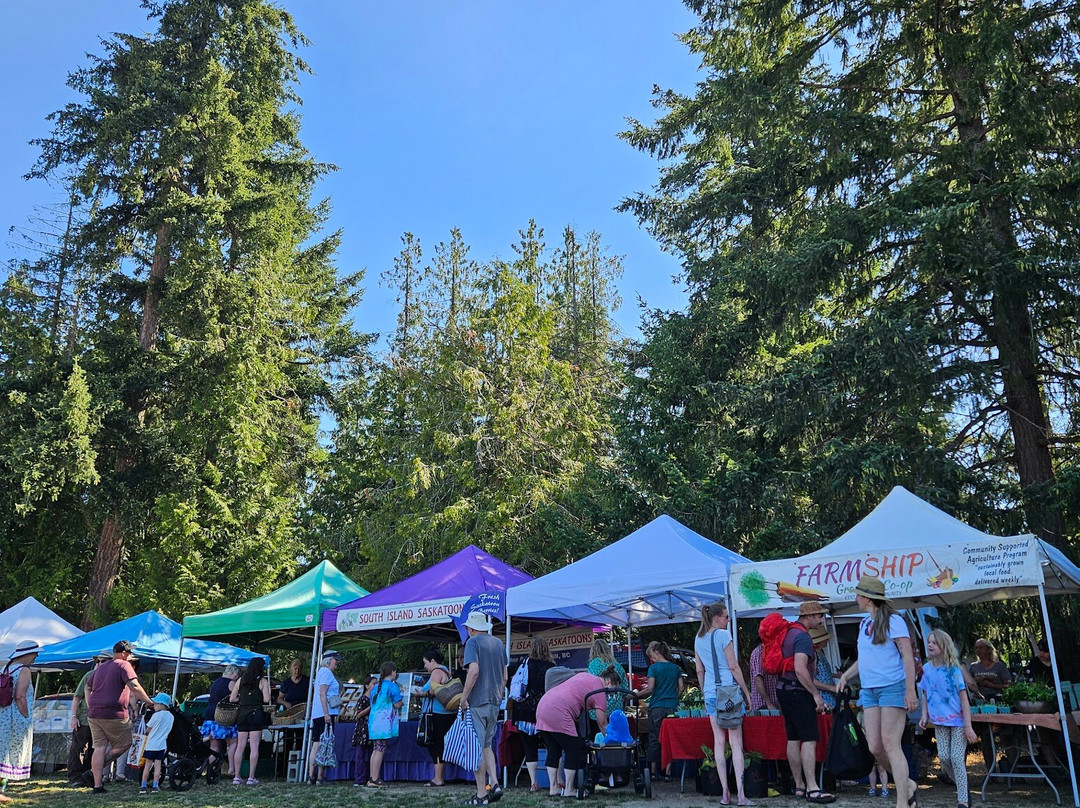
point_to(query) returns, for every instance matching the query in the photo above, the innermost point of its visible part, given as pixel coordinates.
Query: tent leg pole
(305, 744)
(734, 628)
(1057, 687)
(506, 712)
(176, 671)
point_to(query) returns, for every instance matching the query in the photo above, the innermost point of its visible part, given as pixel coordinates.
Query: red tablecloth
(682, 738)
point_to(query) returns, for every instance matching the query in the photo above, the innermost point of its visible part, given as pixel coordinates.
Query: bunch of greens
(1026, 691)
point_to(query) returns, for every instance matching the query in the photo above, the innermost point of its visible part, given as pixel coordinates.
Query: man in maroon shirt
(107, 696)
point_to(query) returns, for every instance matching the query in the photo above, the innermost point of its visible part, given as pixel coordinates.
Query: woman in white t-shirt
(324, 710)
(717, 667)
(886, 671)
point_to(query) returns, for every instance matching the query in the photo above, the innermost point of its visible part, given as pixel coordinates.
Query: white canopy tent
(663, 572)
(925, 558)
(30, 620)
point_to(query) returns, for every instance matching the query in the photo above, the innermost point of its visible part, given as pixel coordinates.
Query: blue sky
(477, 114)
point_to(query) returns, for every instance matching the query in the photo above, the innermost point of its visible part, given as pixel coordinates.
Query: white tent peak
(29, 619)
(903, 520)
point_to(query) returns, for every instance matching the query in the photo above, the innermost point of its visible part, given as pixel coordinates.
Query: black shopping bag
(848, 756)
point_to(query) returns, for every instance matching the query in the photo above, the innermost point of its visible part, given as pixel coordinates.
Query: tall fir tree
(219, 319)
(872, 204)
(476, 426)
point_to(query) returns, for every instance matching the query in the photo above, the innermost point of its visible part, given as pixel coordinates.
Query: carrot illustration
(797, 594)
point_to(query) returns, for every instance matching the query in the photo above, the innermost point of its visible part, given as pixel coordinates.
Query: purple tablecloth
(404, 760)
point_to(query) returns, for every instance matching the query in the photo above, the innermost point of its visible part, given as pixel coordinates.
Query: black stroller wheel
(648, 783)
(580, 784)
(182, 775)
(213, 772)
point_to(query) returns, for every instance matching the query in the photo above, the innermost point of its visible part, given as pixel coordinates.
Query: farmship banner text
(907, 573)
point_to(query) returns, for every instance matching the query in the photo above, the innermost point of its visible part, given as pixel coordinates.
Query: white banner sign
(427, 612)
(911, 573)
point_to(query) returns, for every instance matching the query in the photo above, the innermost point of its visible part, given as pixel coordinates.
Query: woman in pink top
(556, 719)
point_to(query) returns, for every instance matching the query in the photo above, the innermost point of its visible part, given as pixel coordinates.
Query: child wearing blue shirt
(945, 703)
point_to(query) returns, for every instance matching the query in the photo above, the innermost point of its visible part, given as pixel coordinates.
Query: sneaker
(251, 781)
(156, 789)
(885, 791)
(142, 788)
(872, 792)
(237, 781)
(100, 790)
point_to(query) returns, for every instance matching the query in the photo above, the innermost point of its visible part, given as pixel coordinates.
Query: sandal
(535, 787)
(433, 784)
(799, 793)
(819, 797)
(494, 793)
(476, 799)
(913, 796)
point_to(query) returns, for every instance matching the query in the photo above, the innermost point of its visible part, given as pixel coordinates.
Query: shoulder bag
(225, 713)
(449, 693)
(730, 705)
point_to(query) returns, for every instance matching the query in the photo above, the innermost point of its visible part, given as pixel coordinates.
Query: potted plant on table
(1029, 697)
(692, 704)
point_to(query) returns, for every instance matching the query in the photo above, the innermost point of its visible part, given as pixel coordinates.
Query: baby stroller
(189, 755)
(611, 766)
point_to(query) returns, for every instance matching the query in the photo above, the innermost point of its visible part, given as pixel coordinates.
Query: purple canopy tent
(423, 606)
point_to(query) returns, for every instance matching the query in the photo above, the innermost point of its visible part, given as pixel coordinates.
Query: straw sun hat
(871, 587)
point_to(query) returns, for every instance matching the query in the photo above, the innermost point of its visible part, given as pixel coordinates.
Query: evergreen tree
(873, 203)
(218, 318)
(475, 427)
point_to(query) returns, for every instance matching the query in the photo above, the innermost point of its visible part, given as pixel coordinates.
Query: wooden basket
(294, 715)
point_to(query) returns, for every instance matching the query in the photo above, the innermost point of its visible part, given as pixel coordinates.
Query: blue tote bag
(462, 746)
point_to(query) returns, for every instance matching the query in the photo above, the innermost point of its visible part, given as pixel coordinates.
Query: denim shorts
(887, 696)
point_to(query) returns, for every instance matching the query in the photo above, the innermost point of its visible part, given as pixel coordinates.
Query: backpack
(7, 687)
(519, 685)
(773, 630)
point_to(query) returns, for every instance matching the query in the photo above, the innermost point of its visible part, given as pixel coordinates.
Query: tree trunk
(110, 545)
(1010, 330)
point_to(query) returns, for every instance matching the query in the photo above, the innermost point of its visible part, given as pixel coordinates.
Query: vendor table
(404, 760)
(682, 738)
(1029, 722)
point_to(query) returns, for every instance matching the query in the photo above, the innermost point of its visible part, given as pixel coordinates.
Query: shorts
(114, 732)
(887, 696)
(559, 743)
(317, 727)
(800, 715)
(441, 724)
(212, 729)
(251, 720)
(380, 744)
(154, 754)
(485, 719)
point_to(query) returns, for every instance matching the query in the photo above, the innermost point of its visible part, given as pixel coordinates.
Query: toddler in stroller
(189, 755)
(612, 758)
(562, 716)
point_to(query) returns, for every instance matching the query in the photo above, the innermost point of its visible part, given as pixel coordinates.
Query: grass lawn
(54, 791)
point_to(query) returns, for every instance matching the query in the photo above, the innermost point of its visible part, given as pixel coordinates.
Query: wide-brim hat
(163, 698)
(811, 607)
(24, 648)
(478, 621)
(820, 634)
(871, 587)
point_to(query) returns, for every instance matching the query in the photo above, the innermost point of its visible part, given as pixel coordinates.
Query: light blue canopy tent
(663, 572)
(157, 642)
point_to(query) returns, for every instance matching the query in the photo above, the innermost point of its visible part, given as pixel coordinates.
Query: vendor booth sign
(493, 604)
(907, 573)
(570, 649)
(404, 614)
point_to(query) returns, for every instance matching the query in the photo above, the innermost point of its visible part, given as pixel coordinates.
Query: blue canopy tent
(157, 643)
(663, 572)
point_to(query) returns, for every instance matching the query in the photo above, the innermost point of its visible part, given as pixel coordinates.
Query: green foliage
(486, 418)
(1026, 691)
(212, 328)
(868, 203)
